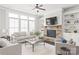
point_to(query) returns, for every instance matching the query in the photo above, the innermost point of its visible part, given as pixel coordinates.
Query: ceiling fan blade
(40, 5)
(42, 9)
(37, 4)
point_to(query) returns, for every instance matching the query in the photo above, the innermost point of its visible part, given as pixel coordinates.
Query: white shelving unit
(71, 23)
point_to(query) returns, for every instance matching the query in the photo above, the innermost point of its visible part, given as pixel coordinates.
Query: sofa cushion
(21, 37)
(18, 34)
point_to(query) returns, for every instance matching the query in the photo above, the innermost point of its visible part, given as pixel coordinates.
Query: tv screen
(51, 21)
(51, 33)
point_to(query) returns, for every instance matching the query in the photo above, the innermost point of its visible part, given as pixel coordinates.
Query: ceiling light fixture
(38, 8)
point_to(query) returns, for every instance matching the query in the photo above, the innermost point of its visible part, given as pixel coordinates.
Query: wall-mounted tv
(51, 33)
(51, 21)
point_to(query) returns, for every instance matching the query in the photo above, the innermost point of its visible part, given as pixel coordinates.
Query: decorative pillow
(2, 44)
(63, 40)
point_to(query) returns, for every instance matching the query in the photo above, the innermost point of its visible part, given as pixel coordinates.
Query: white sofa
(19, 36)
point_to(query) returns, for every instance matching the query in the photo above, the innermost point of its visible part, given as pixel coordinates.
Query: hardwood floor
(39, 49)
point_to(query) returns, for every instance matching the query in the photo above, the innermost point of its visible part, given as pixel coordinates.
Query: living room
(39, 29)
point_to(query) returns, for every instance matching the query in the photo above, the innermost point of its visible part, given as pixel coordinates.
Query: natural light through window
(13, 23)
(31, 24)
(21, 23)
(24, 23)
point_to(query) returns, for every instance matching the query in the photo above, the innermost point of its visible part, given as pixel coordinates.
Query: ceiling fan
(38, 7)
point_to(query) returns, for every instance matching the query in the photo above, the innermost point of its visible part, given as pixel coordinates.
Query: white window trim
(20, 21)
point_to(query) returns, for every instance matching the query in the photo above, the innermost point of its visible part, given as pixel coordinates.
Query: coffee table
(33, 41)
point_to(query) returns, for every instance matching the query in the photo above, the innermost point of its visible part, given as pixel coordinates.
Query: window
(31, 24)
(18, 22)
(31, 18)
(24, 23)
(23, 17)
(12, 15)
(13, 23)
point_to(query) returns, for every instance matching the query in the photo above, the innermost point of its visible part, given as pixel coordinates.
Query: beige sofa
(19, 37)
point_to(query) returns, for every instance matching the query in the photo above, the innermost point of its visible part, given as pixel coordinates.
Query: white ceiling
(28, 7)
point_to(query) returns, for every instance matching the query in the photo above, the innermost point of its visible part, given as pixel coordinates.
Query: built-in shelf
(71, 23)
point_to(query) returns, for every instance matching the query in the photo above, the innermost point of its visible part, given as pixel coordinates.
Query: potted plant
(37, 34)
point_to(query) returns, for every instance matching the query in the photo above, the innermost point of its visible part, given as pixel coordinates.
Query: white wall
(37, 24)
(3, 24)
